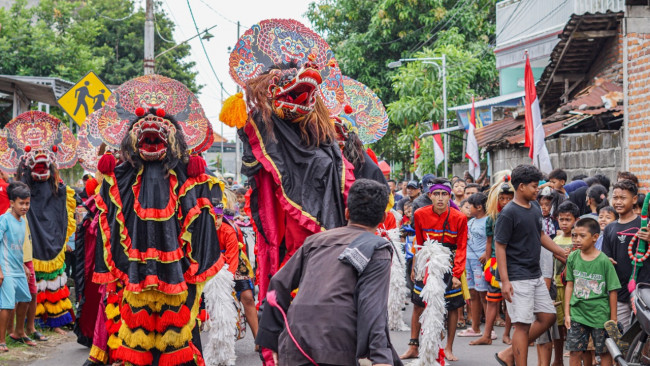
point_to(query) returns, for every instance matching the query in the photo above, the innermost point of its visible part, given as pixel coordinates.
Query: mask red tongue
(301, 98)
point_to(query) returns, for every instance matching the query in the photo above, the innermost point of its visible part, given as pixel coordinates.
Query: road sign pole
(149, 63)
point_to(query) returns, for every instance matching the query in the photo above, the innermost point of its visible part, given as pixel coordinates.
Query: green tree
(67, 39)
(368, 34)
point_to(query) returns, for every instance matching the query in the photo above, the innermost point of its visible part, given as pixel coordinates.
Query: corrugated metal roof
(497, 131)
(551, 129)
(490, 101)
(575, 55)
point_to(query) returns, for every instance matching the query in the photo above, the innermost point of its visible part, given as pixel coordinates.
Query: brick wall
(609, 64)
(580, 153)
(638, 92)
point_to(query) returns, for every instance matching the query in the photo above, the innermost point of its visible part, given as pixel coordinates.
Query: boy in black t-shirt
(617, 237)
(519, 237)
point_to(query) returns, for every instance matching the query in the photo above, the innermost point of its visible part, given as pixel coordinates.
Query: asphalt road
(73, 354)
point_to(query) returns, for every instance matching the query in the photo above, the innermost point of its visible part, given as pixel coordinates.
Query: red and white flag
(535, 134)
(438, 147)
(471, 153)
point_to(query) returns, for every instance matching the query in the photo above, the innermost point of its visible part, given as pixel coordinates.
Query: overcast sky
(225, 15)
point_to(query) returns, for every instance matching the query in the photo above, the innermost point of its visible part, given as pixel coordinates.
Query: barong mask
(154, 118)
(37, 144)
(293, 91)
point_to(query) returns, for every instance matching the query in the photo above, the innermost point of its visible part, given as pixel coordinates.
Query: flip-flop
(3, 348)
(24, 340)
(469, 332)
(39, 336)
(500, 361)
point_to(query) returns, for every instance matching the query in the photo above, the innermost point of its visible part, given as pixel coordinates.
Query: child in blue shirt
(14, 291)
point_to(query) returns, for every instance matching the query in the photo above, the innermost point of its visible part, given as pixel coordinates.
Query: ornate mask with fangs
(293, 92)
(151, 135)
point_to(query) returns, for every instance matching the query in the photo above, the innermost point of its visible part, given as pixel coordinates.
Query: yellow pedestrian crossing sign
(85, 97)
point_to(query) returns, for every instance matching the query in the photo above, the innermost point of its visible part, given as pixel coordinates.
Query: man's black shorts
(453, 298)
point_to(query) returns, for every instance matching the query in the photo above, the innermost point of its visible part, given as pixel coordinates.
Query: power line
(221, 15)
(155, 23)
(203, 47)
(435, 30)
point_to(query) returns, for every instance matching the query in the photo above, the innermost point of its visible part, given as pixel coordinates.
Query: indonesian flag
(438, 149)
(534, 130)
(472, 153)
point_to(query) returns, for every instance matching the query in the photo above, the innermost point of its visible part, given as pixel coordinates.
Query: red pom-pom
(160, 112)
(54, 148)
(139, 111)
(196, 166)
(106, 164)
(28, 148)
(348, 109)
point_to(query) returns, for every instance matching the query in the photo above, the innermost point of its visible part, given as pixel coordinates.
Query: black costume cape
(296, 190)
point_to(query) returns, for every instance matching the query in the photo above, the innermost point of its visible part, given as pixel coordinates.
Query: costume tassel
(233, 112)
(432, 261)
(106, 164)
(397, 290)
(196, 166)
(221, 325)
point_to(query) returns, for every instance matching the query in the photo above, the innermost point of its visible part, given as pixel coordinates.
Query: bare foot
(449, 355)
(481, 341)
(412, 352)
(59, 331)
(507, 340)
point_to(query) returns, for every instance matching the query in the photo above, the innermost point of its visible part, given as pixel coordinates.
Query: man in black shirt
(519, 237)
(412, 192)
(616, 238)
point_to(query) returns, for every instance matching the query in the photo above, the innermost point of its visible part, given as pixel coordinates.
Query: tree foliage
(69, 38)
(368, 34)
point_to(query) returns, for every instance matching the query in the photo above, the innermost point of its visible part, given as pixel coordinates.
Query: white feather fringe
(434, 259)
(397, 291)
(52, 285)
(219, 350)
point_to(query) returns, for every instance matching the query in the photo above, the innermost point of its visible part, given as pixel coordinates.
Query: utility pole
(237, 158)
(444, 111)
(149, 61)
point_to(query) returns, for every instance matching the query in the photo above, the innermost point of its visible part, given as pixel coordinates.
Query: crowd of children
(546, 255)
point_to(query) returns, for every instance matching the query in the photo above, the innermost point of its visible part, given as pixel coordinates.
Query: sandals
(461, 325)
(469, 332)
(39, 336)
(24, 340)
(500, 323)
(3, 348)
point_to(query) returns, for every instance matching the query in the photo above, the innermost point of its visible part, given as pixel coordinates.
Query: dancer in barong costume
(37, 145)
(157, 234)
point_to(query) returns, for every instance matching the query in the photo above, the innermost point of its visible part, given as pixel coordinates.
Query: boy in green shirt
(591, 285)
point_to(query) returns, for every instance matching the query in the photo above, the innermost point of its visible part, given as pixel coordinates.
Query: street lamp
(205, 35)
(442, 71)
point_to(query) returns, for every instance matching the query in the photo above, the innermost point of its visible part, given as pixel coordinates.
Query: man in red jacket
(444, 223)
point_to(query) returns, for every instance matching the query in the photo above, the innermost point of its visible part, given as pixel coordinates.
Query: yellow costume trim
(139, 338)
(98, 354)
(244, 258)
(114, 342)
(56, 263)
(173, 338)
(391, 203)
(51, 265)
(71, 206)
(40, 309)
(153, 299)
(112, 311)
(58, 308)
(306, 214)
